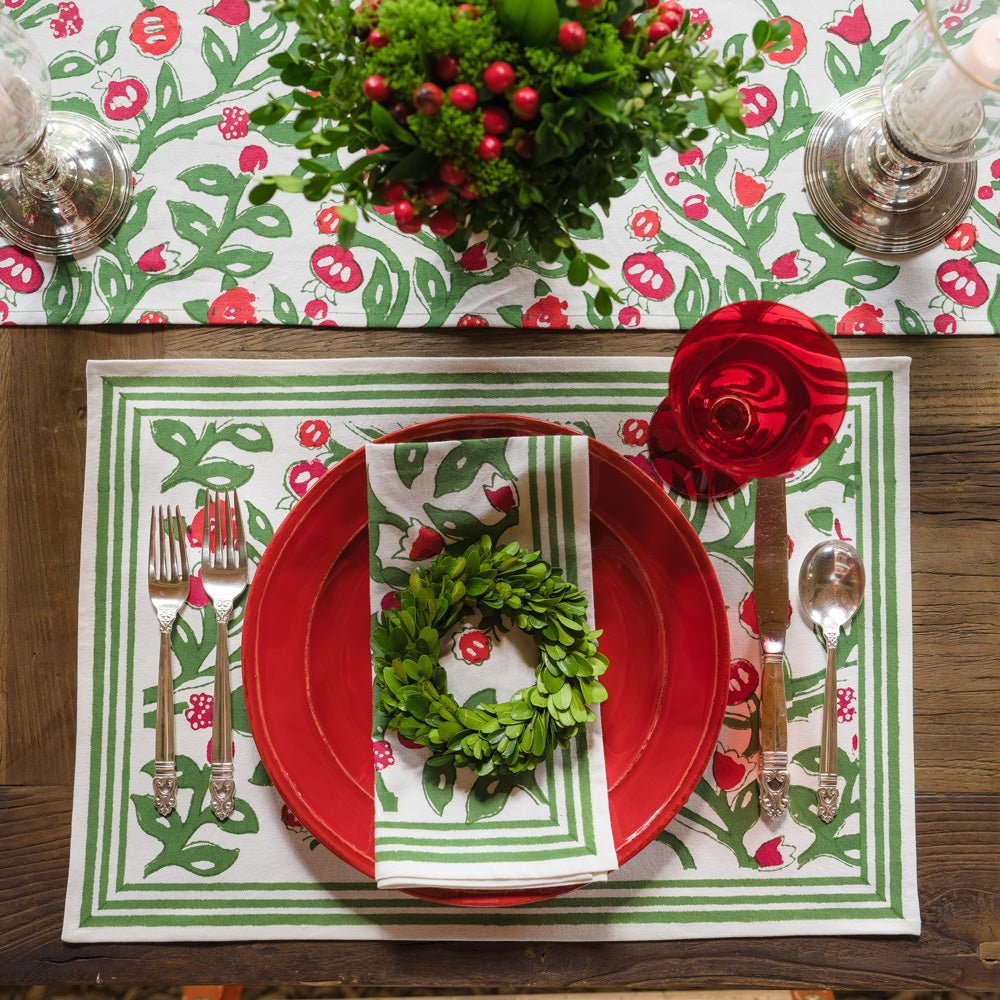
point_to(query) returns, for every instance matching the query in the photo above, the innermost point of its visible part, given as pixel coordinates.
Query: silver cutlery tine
(174, 578)
(163, 550)
(206, 530)
(182, 543)
(241, 538)
(230, 554)
(152, 543)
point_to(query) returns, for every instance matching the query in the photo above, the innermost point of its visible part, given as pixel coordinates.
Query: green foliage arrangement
(513, 118)
(505, 738)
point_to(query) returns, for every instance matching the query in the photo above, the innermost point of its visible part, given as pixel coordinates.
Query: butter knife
(770, 591)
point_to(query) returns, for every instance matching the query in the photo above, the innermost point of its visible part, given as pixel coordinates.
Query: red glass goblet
(756, 389)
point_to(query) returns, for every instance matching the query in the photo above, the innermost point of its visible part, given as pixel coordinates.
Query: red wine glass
(756, 389)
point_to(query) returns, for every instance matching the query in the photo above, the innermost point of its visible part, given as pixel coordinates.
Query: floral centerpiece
(513, 118)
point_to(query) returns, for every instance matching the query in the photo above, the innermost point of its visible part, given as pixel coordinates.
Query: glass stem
(40, 169)
(887, 174)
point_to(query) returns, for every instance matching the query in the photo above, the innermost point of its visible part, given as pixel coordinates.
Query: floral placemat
(728, 220)
(160, 432)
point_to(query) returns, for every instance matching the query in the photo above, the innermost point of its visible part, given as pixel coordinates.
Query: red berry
(496, 121)
(451, 173)
(525, 147)
(627, 26)
(378, 38)
(375, 88)
(498, 76)
(589, 4)
(525, 103)
(428, 97)
(393, 192)
(658, 30)
(463, 96)
(469, 191)
(490, 147)
(446, 69)
(572, 37)
(434, 193)
(403, 212)
(413, 226)
(400, 111)
(669, 10)
(443, 223)
(651, 4)
(467, 10)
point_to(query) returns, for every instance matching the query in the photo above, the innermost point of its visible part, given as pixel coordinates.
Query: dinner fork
(224, 576)
(168, 590)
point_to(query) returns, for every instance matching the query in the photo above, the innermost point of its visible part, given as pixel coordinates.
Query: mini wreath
(512, 736)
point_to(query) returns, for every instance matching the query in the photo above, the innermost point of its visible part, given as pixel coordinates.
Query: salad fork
(168, 590)
(224, 576)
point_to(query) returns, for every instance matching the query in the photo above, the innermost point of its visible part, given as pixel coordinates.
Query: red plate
(306, 659)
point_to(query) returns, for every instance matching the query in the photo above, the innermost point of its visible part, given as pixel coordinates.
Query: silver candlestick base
(869, 192)
(71, 193)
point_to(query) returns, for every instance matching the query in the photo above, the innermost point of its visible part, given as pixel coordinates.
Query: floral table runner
(727, 220)
(160, 432)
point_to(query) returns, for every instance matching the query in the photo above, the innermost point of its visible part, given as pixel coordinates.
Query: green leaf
(409, 460)
(535, 22)
(579, 270)
(388, 129)
(439, 786)
(761, 33)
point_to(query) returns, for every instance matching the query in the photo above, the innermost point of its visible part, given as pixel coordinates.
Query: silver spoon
(831, 587)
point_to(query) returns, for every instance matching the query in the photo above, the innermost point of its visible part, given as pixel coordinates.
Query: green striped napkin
(541, 828)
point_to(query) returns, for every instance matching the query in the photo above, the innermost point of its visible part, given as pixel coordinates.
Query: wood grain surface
(955, 455)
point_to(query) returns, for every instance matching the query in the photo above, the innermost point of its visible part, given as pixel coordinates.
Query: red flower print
(774, 853)
(13, 4)
(671, 178)
(231, 12)
(302, 476)
(785, 266)
(864, 318)
(729, 770)
(19, 270)
(336, 267)
(234, 306)
(691, 157)
(854, 742)
(318, 310)
(290, 820)
(759, 105)
(984, 193)
(208, 749)
(152, 260)
(409, 744)
(197, 595)
(328, 220)
(629, 317)
(845, 704)
(252, 159)
(957, 278)
(648, 275)
(694, 207)
(699, 16)
(945, 323)
(473, 646)
(853, 27)
(546, 313)
(382, 754)
(156, 32)
(643, 463)
(313, 433)
(4, 312)
(743, 679)
(199, 715)
(793, 50)
(474, 259)
(839, 531)
(235, 124)
(390, 601)
(124, 99)
(469, 320)
(645, 224)
(502, 498)
(426, 545)
(69, 22)
(152, 317)
(634, 431)
(748, 615)
(962, 237)
(748, 189)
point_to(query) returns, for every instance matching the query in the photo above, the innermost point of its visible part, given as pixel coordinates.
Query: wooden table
(955, 448)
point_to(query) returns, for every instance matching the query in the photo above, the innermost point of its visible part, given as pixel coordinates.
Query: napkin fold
(548, 827)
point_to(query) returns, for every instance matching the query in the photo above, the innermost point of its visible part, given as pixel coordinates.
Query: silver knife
(770, 591)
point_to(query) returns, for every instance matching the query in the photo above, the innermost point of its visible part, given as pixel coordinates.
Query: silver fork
(168, 590)
(224, 575)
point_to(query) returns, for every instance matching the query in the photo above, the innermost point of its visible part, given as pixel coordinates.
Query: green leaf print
(106, 45)
(821, 518)
(70, 64)
(386, 799)
(176, 832)
(191, 223)
(195, 461)
(207, 178)
(463, 526)
(409, 460)
(490, 794)
(258, 525)
(284, 307)
(439, 786)
(830, 839)
(260, 776)
(461, 466)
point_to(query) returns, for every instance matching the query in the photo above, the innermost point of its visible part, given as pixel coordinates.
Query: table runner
(726, 221)
(159, 431)
(430, 822)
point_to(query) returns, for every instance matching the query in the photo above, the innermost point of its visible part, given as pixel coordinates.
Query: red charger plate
(307, 664)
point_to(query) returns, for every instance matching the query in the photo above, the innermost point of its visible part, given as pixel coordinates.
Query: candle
(945, 112)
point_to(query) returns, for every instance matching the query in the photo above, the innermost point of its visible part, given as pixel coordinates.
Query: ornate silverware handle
(773, 779)
(222, 786)
(827, 793)
(165, 774)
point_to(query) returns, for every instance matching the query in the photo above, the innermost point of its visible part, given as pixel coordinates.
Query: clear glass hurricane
(65, 183)
(891, 168)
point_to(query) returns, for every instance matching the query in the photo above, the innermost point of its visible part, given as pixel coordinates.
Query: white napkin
(549, 827)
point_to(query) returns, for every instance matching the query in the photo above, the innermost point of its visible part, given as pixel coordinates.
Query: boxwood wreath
(509, 118)
(491, 739)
